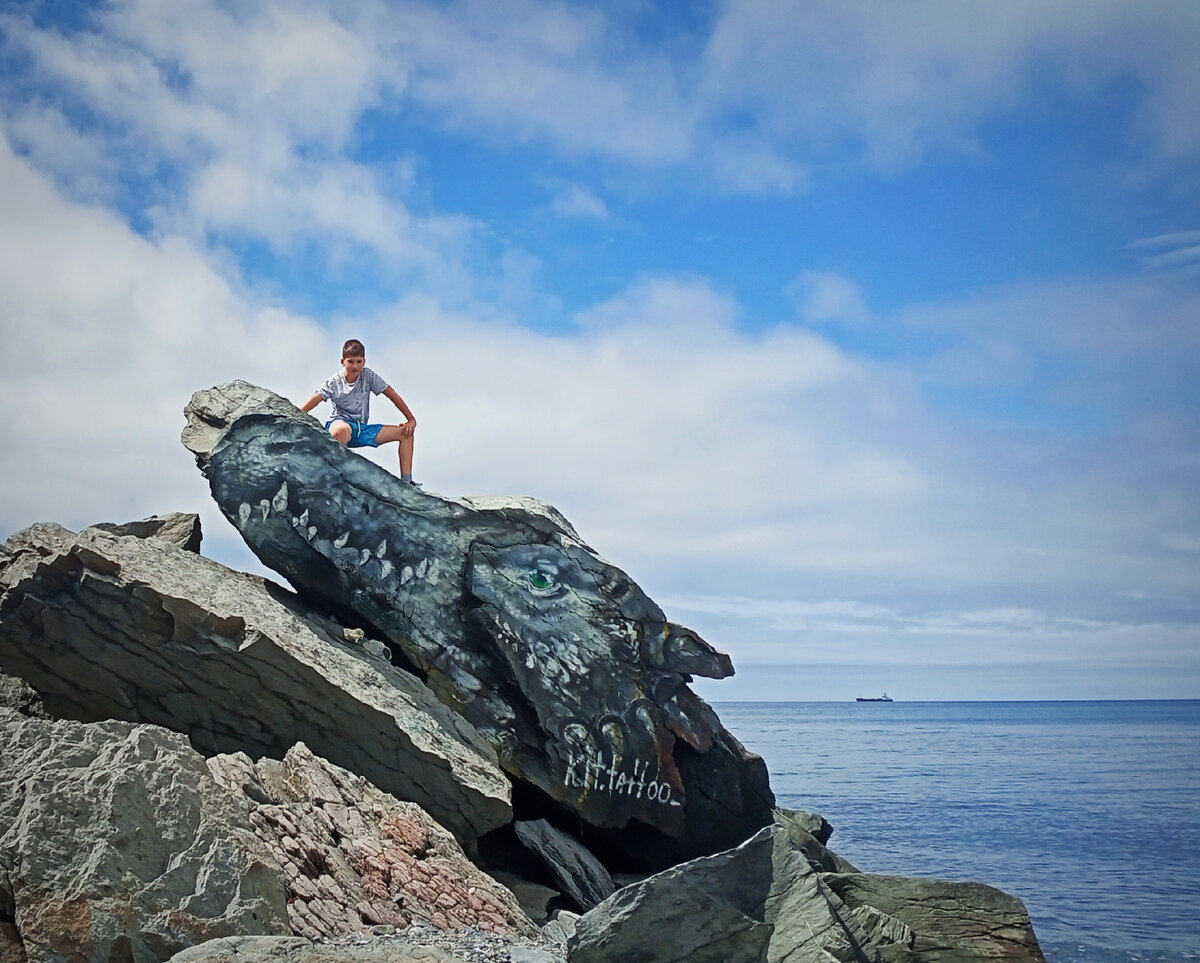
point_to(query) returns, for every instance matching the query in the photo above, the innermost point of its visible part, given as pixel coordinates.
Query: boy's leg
(397, 433)
(341, 432)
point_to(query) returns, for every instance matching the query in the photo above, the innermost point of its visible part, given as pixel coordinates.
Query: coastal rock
(943, 922)
(178, 528)
(799, 826)
(354, 857)
(759, 902)
(20, 696)
(109, 626)
(555, 655)
(579, 873)
(117, 844)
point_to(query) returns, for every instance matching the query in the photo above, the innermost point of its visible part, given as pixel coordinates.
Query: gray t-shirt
(352, 402)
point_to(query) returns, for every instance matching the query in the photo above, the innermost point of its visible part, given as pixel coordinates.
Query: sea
(1088, 811)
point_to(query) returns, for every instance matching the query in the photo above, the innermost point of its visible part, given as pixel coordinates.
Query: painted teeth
(244, 512)
(265, 507)
(341, 540)
(304, 518)
(406, 575)
(363, 556)
(382, 548)
(279, 502)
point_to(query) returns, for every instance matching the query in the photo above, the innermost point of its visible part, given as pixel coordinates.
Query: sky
(865, 337)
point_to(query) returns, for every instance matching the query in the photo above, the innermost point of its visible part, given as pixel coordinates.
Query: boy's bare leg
(341, 432)
(404, 437)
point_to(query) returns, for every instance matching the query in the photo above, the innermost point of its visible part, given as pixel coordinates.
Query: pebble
(469, 945)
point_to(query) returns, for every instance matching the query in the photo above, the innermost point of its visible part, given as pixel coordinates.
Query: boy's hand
(408, 427)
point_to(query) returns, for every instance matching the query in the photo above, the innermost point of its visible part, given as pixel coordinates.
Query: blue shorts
(361, 436)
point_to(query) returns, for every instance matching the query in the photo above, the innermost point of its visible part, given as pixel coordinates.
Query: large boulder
(178, 528)
(580, 874)
(940, 921)
(117, 844)
(110, 626)
(569, 669)
(770, 900)
(759, 902)
(355, 857)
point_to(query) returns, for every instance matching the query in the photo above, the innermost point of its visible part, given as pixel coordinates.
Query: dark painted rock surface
(567, 667)
(579, 873)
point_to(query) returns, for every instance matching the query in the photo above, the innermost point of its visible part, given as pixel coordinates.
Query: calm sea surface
(1088, 811)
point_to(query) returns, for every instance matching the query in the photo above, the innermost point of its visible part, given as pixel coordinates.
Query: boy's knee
(340, 431)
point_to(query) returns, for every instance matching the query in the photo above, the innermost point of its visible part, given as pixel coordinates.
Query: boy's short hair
(353, 349)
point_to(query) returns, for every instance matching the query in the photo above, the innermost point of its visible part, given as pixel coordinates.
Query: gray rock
(178, 528)
(354, 857)
(118, 844)
(554, 654)
(560, 927)
(20, 696)
(108, 626)
(759, 902)
(280, 949)
(533, 897)
(579, 873)
(798, 826)
(815, 825)
(942, 921)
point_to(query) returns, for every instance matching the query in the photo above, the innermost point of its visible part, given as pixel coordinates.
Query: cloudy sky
(865, 336)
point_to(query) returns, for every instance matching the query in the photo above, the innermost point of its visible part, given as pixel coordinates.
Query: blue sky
(864, 336)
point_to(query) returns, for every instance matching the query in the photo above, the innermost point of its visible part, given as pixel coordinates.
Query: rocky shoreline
(460, 735)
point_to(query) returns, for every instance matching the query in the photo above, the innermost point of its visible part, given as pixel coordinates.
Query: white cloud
(252, 110)
(888, 82)
(825, 296)
(575, 200)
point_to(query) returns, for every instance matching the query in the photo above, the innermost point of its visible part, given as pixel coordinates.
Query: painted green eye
(540, 581)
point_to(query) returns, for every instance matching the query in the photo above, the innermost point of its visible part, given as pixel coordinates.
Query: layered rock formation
(772, 899)
(107, 626)
(552, 653)
(353, 856)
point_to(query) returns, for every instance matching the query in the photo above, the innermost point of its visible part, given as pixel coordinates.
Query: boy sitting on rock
(349, 391)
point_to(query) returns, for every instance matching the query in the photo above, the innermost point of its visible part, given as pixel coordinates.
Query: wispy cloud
(1179, 250)
(577, 201)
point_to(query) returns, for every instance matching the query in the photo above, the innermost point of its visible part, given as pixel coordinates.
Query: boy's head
(354, 356)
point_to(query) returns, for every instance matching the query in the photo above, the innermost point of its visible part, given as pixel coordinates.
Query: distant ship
(883, 698)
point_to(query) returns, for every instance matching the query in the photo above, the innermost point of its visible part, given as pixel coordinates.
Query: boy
(350, 392)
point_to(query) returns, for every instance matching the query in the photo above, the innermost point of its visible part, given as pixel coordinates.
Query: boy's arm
(393, 396)
(311, 403)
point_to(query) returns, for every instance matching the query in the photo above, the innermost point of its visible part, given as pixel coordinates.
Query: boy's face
(352, 366)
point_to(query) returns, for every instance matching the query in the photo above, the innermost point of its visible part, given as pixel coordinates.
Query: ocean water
(1088, 811)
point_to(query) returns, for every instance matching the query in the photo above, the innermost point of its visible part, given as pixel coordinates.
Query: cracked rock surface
(940, 921)
(771, 900)
(115, 626)
(355, 857)
(116, 843)
(571, 672)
